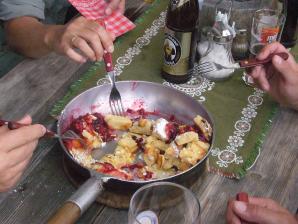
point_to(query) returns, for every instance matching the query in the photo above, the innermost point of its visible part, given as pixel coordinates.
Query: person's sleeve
(10, 9)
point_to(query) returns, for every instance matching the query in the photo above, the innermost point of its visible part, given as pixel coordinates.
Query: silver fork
(115, 101)
(70, 134)
(207, 67)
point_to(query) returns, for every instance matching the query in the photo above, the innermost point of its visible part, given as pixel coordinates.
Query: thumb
(258, 214)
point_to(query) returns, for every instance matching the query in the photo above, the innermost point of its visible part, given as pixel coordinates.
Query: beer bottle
(180, 40)
(289, 34)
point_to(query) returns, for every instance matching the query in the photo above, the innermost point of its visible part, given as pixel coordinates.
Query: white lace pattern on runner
(228, 154)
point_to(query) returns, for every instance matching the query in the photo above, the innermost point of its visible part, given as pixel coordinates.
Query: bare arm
(30, 37)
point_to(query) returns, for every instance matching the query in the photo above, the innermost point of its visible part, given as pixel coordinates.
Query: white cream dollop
(159, 129)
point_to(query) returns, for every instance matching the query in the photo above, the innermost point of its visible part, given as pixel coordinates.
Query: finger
(21, 136)
(9, 184)
(112, 6)
(121, 6)
(106, 38)
(257, 71)
(14, 171)
(107, 41)
(266, 203)
(19, 168)
(112, 35)
(20, 154)
(284, 67)
(231, 218)
(75, 56)
(259, 76)
(81, 44)
(91, 35)
(270, 49)
(258, 214)
(25, 120)
(3, 129)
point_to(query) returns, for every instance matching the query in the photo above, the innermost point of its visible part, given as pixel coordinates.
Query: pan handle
(78, 203)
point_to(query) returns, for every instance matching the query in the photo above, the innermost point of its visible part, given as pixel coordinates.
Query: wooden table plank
(272, 176)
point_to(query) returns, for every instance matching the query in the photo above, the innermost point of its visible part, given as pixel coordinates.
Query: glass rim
(279, 15)
(163, 183)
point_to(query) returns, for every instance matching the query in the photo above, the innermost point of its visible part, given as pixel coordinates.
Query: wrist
(50, 36)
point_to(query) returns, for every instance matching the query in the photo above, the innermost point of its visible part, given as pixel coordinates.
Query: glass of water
(164, 202)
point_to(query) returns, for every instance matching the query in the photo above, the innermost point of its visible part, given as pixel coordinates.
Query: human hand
(115, 5)
(279, 78)
(16, 149)
(258, 211)
(86, 35)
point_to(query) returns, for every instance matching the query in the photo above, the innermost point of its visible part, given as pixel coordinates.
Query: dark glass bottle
(180, 40)
(289, 34)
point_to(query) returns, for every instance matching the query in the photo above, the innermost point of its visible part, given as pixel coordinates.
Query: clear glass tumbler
(267, 26)
(164, 202)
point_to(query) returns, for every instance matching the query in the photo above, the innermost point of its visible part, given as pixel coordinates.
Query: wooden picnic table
(33, 87)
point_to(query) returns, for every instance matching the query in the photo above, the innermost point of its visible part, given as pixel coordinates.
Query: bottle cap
(147, 217)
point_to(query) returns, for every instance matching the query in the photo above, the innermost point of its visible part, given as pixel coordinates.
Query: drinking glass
(267, 25)
(164, 202)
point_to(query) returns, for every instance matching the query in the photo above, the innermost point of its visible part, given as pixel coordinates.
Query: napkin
(95, 10)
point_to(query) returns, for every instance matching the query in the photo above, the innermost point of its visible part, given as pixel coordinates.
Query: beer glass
(266, 28)
(164, 202)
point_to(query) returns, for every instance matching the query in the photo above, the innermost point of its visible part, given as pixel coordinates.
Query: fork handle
(253, 62)
(12, 125)
(107, 57)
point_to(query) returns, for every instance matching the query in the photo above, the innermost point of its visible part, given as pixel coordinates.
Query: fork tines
(115, 101)
(205, 67)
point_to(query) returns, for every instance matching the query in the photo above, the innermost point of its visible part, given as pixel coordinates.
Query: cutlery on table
(115, 97)
(12, 125)
(208, 66)
(116, 108)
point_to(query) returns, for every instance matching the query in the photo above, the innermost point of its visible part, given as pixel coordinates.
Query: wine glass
(164, 202)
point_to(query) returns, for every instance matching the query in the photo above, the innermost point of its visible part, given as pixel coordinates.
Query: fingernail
(240, 206)
(100, 59)
(108, 11)
(43, 129)
(111, 49)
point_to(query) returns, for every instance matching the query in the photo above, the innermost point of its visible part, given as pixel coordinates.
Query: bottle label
(269, 35)
(176, 52)
(174, 2)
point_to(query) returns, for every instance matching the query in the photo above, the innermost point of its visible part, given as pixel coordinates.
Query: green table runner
(241, 113)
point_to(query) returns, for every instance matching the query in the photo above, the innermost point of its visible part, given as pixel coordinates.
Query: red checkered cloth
(95, 10)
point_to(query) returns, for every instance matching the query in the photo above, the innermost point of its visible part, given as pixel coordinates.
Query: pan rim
(101, 175)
